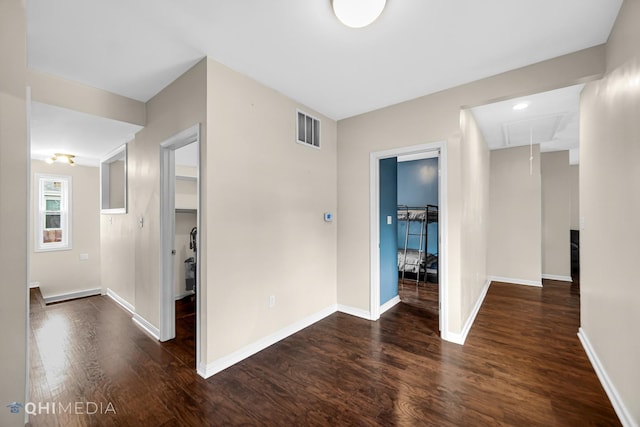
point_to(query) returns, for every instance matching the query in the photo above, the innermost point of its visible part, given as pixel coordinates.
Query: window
(308, 130)
(53, 220)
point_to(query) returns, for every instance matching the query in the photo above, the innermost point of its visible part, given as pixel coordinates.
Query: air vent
(308, 130)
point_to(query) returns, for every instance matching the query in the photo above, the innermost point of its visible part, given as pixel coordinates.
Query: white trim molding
(558, 278)
(354, 311)
(229, 360)
(167, 323)
(389, 304)
(146, 326)
(616, 401)
(33, 285)
(121, 301)
(535, 283)
(434, 148)
(460, 338)
(72, 295)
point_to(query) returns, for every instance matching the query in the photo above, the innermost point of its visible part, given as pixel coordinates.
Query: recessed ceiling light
(358, 13)
(521, 106)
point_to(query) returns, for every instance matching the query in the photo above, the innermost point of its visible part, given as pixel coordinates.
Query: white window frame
(40, 210)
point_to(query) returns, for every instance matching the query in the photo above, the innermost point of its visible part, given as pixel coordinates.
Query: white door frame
(167, 234)
(374, 251)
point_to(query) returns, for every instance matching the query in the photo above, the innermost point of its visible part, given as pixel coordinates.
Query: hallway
(522, 364)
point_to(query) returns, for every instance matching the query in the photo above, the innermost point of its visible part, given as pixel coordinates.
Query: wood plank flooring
(522, 365)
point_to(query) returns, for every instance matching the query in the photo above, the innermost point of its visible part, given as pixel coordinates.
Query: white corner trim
(353, 311)
(34, 285)
(556, 277)
(460, 338)
(148, 327)
(536, 283)
(618, 405)
(121, 301)
(231, 359)
(72, 295)
(389, 304)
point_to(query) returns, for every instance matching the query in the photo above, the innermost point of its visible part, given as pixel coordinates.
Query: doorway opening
(417, 230)
(179, 241)
(389, 247)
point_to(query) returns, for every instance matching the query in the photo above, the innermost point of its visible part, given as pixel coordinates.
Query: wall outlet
(84, 257)
(272, 301)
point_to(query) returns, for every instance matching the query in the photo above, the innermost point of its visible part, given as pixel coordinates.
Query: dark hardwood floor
(522, 365)
(423, 295)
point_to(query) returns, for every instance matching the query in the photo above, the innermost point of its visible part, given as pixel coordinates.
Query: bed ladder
(423, 238)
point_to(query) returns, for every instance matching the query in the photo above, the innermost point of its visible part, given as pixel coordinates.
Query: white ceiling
(551, 120)
(136, 48)
(88, 137)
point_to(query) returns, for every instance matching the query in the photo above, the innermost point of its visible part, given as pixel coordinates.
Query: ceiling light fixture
(521, 106)
(62, 158)
(357, 13)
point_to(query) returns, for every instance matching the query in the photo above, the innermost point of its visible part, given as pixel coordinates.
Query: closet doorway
(179, 224)
(386, 289)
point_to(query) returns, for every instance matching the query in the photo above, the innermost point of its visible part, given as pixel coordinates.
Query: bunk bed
(413, 258)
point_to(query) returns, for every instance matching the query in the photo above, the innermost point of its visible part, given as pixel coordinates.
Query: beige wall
(177, 107)
(117, 254)
(117, 184)
(428, 119)
(62, 272)
(556, 214)
(610, 206)
(475, 214)
(186, 196)
(14, 191)
(75, 96)
(265, 230)
(574, 183)
(515, 230)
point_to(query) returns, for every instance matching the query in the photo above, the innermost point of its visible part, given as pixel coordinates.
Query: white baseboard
(460, 338)
(618, 405)
(183, 295)
(353, 311)
(72, 295)
(536, 283)
(556, 277)
(121, 301)
(209, 369)
(34, 285)
(389, 304)
(148, 327)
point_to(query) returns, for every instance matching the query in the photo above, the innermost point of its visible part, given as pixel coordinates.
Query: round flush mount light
(358, 13)
(521, 106)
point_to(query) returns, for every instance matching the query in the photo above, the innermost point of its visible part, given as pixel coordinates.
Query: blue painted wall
(418, 186)
(388, 232)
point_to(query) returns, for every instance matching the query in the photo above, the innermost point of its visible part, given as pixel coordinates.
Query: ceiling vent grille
(308, 129)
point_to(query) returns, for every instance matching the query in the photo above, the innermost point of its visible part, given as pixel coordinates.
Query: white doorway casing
(167, 234)
(374, 221)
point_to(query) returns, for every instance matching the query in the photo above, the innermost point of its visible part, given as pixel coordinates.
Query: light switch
(389, 219)
(84, 257)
